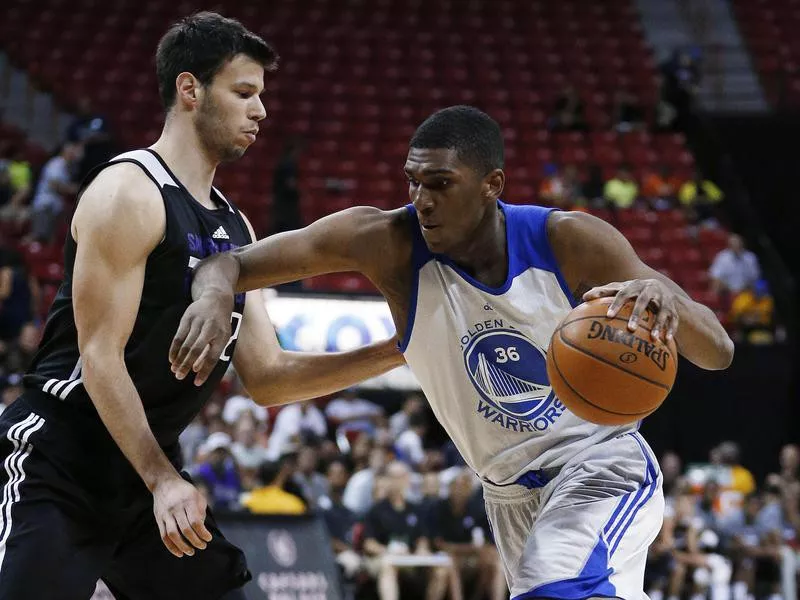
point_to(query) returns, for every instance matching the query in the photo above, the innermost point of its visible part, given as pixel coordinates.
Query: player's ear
(493, 184)
(187, 87)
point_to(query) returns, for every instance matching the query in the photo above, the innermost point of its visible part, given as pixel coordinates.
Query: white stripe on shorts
(18, 434)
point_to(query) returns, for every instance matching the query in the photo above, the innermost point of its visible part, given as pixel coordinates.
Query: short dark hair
(474, 135)
(202, 44)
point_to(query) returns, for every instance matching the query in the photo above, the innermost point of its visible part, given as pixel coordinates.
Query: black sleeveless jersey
(193, 232)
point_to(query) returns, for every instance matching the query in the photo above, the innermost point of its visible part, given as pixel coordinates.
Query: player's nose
(421, 200)
(260, 112)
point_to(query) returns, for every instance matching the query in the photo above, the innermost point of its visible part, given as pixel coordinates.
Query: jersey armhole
(419, 256)
(549, 255)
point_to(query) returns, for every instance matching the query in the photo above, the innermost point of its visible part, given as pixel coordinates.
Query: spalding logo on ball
(605, 373)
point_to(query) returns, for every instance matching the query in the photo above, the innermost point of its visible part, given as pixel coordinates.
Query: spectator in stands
(314, 485)
(681, 78)
(561, 189)
(594, 185)
(700, 197)
(671, 471)
(19, 353)
(286, 190)
(664, 113)
(394, 526)
(16, 294)
(299, 420)
(735, 479)
(568, 112)
(694, 549)
(54, 188)
(248, 453)
(752, 314)
(238, 404)
(360, 490)
(348, 412)
(790, 464)
(734, 268)
(91, 130)
(218, 471)
(339, 519)
(660, 188)
(628, 114)
(409, 445)
(270, 498)
(463, 533)
(755, 552)
(15, 185)
(621, 191)
(398, 422)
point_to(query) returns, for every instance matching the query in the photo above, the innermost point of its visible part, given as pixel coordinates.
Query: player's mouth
(251, 134)
(428, 227)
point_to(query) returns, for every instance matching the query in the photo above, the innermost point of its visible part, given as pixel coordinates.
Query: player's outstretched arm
(355, 239)
(119, 220)
(276, 376)
(596, 257)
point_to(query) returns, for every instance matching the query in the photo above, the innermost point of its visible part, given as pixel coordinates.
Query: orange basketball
(605, 373)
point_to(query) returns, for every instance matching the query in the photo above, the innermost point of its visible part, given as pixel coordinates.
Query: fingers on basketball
(605, 373)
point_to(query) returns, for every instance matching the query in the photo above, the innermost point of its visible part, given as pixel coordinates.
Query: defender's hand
(648, 292)
(180, 511)
(202, 335)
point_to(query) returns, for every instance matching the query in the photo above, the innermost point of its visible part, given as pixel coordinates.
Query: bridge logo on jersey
(509, 372)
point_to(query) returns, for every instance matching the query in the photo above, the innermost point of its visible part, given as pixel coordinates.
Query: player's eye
(244, 95)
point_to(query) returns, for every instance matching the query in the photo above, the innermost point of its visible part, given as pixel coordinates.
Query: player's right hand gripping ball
(605, 373)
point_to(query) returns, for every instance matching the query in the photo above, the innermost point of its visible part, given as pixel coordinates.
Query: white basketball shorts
(586, 532)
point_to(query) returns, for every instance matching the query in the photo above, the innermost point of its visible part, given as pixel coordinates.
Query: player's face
(231, 108)
(448, 195)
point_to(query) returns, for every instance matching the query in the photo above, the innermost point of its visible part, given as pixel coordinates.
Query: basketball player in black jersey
(89, 453)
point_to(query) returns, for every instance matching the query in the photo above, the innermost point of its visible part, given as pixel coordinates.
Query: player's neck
(186, 157)
(484, 255)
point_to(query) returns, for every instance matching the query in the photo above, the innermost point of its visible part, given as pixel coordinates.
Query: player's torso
(192, 233)
(479, 354)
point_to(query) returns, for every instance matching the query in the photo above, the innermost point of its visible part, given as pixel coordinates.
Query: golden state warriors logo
(509, 372)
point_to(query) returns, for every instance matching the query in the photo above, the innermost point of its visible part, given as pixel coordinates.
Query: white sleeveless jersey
(479, 354)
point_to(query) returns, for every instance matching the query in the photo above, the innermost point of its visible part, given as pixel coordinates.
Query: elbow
(723, 355)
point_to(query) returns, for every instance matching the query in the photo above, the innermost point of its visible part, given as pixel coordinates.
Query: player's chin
(234, 153)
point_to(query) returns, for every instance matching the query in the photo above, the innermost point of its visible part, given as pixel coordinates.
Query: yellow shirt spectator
(621, 194)
(688, 193)
(19, 172)
(272, 500)
(751, 309)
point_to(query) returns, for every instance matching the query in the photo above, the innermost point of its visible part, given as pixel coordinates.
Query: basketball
(605, 373)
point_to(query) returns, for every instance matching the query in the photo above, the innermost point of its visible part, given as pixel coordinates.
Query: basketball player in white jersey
(476, 288)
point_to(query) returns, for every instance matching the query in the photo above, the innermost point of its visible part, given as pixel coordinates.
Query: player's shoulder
(125, 183)
(573, 227)
(122, 194)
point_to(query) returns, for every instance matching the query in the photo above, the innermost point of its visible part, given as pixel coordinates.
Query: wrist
(158, 478)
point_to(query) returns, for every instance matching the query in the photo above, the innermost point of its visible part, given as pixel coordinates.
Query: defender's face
(447, 195)
(231, 108)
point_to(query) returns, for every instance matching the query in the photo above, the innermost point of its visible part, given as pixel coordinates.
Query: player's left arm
(273, 375)
(597, 261)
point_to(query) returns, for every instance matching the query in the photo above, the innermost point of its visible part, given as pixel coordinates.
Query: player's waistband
(534, 479)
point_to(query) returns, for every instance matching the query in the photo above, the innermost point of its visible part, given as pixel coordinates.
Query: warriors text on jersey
(479, 354)
(192, 232)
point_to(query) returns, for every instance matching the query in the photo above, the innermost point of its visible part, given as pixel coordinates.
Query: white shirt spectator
(344, 409)
(358, 491)
(291, 420)
(409, 444)
(55, 171)
(735, 272)
(236, 405)
(249, 457)
(398, 423)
